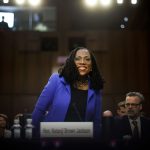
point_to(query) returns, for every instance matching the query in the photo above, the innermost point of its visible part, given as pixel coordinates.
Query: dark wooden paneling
(123, 59)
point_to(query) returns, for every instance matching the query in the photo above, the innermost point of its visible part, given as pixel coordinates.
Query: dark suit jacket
(123, 129)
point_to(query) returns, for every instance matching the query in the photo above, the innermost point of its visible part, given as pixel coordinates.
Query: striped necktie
(135, 130)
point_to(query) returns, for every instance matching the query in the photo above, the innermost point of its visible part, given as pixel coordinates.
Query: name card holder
(66, 129)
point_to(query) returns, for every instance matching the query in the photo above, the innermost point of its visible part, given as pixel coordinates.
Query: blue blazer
(55, 99)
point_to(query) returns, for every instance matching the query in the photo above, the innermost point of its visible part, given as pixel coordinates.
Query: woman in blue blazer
(72, 94)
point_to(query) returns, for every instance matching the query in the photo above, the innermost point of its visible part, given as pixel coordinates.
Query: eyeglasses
(132, 104)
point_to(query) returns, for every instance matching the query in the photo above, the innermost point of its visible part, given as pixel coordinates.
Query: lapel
(126, 125)
(90, 105)
(66, 85)
(145, 125)
(90, 94)
(65, 95)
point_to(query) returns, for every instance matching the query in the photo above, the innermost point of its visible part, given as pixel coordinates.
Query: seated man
(133, 126)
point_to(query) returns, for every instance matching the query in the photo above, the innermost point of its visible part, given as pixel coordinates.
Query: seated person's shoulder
(121, 118)
(146, 120)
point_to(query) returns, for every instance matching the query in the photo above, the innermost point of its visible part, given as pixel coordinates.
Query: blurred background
(41, 33)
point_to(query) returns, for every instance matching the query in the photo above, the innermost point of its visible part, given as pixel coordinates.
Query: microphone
(77, 111)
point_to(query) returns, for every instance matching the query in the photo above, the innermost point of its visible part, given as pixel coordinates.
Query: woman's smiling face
(83, 62)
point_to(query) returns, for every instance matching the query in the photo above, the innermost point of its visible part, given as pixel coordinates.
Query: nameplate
(66, 129)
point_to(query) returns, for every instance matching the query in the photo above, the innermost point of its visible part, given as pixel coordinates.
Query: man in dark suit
(133, 127)
(3, 24)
